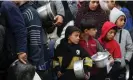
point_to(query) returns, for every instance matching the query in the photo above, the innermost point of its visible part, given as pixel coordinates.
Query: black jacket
(66, 54)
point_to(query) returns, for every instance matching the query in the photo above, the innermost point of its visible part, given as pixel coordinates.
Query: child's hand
(58, 20)
(59, 74)
(111, 60)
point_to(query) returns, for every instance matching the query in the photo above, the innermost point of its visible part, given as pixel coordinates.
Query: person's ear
(86, 30)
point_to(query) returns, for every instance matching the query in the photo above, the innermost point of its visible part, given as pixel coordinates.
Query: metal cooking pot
(101, 59)
(79, 70)
(47, 12)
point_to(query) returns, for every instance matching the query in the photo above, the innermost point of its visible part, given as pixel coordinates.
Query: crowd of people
(82, 28)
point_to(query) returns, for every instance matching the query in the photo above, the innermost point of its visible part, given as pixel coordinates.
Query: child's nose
(113, 34)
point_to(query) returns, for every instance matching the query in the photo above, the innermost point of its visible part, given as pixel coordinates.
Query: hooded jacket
(123, 37)
(112, 46)
(65, 55)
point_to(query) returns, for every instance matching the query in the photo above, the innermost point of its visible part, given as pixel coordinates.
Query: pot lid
(99, 56)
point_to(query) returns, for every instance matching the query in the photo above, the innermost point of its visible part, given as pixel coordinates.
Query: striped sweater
(37, 51)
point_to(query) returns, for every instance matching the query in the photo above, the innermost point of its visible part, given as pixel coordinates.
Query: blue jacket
(15, 26)
(37, 51)
(129, 21)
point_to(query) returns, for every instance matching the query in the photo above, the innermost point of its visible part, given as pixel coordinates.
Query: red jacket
(111, 46)
(90, 46)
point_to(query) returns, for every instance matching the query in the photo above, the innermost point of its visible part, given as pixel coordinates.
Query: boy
(67, 52)
(107, 41)
(91, 45)
(122, 36)
(121, 6)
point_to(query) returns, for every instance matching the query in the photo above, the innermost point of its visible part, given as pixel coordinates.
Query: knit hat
(70, 30)
(115, 14)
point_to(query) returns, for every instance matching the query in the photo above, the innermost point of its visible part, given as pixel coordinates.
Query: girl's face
(111, 34)
(120, 22)
(93, 5)
(74, 37)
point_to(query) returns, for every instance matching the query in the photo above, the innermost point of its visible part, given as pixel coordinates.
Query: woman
(91, 9)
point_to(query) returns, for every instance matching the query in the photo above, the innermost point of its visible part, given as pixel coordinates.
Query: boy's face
(91, 32)
(111, 34)
(111, 4)
(120, 22)
(93, 4)
(74, 37)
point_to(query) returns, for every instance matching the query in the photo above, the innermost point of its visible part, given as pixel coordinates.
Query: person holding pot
(91, 45)
(106, 39)
(36, 42)
(15, 37)
(91, 10)
(68, 52)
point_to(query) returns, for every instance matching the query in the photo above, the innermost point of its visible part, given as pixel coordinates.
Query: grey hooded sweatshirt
(123, 37)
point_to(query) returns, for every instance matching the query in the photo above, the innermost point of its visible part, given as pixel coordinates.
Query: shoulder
(9, 5)
(95, 40)
(115, 44)
(124, 9)
(125, 31)
(30, 13)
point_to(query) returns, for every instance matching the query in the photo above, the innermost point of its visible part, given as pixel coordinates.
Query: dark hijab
(85, 13)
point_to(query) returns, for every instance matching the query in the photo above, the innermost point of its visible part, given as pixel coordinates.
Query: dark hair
(115, 28)
(20, 71)
(87, 24)
(70, 30)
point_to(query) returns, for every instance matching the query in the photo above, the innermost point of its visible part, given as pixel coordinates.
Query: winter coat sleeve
(117, 53)
(129, 47)
(87, 59)
(16, 24)
(131, 33)
(99, 47)
(115, 69)
(60, 8)
(56, 62)
(35, 31)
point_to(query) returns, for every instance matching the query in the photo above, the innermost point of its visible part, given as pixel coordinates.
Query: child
(121, 6)
(91, 45)
(67, 52)
(122, 36)
(107, 41)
